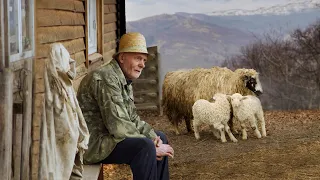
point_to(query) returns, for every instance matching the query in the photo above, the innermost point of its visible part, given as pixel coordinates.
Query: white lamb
(248, 109)
(216, 114)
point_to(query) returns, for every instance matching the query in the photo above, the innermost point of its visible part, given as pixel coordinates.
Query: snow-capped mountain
(283, 9)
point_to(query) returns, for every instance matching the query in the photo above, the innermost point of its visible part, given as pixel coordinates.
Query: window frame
(21, 54)
(92, 28)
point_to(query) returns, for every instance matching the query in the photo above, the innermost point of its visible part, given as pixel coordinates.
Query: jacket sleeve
(113, 110)
(143, 126)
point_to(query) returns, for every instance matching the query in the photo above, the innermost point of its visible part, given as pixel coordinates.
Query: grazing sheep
(216, 114)
(183, 87)
(248, 108)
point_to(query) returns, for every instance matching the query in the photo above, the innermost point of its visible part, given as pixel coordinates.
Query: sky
(138, 9)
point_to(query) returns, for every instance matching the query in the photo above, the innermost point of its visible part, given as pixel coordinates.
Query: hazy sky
(137, 9)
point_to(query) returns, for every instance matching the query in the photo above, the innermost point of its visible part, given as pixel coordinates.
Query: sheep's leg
(188, 124)
(244, 131)
(262, 122)
(215, 132)
(196, 129)
(175, 124)
(254, 127)
(222, 133)
(232, 138)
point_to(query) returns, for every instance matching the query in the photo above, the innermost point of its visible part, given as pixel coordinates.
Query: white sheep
(248, 109)
(216, 114)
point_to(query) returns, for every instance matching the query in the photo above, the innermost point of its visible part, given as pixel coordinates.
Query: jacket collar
(116, 67)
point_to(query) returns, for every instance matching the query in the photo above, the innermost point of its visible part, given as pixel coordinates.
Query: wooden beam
(110, 27)
(59, 33)
(17, 142)
(110, 45)
(110, 2)
(6, 79)
(59, 18)
(2, 56)
(67, 5)
(72, 46)
(109, 18)
(100, 20)
(110, 8)
(110, 36)
(107, 56)
(27, 119)
(87, 32)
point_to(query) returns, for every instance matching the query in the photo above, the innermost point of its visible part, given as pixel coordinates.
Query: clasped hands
(162, 149)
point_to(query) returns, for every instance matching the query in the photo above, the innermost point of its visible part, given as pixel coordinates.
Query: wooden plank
(59, 33)
(6, 78)
(100, 20)
(17, 141)
(72, 46)
(146, 106)
(91, 172)
(67, 5)
(58, 18)
(110, 1)
(109, 46)
(110, 8)
(94, 58)
(109, 36)
(27, 119)
(77, 82)
(146, 81)
(107, 57)
(109, 27)
(79, 57)
(86, 40)
(109, 18)
(39, 66)
(82, 70)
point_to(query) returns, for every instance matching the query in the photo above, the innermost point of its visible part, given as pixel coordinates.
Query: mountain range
(188, 40)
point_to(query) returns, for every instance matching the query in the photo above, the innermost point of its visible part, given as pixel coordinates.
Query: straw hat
(132, 42)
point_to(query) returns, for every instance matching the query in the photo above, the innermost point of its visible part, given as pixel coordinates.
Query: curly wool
(183, 87)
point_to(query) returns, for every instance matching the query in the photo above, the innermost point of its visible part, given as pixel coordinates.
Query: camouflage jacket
(106, 101)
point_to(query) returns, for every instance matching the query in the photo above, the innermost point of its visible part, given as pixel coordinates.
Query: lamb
(248, 108)
(182, 88)
(216, 114)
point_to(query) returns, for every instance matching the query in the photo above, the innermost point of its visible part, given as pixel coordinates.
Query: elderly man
(117, 134)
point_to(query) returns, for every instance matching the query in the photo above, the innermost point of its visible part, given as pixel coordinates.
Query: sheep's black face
(252, 84)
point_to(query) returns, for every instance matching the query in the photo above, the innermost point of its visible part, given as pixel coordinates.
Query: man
(117, 135)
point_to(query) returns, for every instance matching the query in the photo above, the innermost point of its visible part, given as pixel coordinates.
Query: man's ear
(121, 57)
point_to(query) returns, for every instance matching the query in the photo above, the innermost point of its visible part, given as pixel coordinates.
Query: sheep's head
(251, 80)
(236, 99)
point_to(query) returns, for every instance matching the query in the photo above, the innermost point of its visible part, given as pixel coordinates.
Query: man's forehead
(135, 54)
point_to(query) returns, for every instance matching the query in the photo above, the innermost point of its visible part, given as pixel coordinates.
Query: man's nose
(142, 64)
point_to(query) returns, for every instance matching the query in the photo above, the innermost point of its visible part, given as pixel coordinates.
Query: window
(92, 26)
(20, 28)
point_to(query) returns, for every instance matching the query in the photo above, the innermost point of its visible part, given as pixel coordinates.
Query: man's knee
(148, 145)
(162, 136)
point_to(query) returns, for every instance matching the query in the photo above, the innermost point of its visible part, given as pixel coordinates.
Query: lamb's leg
(232, 138)
(244, 131)
(254, 127)
(222, 133)
(262, 122)
(215, 132)
(175, 124)
(196, 130)
(188, 124)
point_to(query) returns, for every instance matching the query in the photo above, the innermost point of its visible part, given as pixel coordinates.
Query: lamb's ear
(243, 98)
(212, 100)
(229, 97)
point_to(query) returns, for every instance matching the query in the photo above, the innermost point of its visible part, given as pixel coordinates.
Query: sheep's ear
(245, 78)
(229, 97)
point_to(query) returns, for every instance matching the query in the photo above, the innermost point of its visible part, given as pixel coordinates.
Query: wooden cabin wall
(55, 21)
(110, 27)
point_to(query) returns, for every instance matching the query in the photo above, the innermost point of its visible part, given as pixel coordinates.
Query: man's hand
(164, 150)
(157, 141)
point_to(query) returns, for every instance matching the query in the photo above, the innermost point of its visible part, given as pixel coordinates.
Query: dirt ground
(291, 150)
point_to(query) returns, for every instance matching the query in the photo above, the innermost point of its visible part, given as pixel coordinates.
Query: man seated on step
(117, 134)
